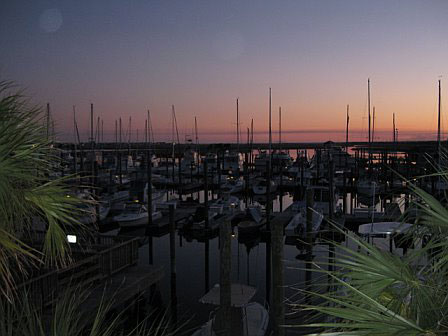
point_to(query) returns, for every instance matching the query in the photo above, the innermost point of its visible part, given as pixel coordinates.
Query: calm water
(248, 267)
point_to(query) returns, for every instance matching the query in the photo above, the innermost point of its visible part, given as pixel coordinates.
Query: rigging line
(175, 123)
(150, 126)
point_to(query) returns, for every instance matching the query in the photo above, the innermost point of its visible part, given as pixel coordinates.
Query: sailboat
(368, 186)
(135, 214)
(297, 225)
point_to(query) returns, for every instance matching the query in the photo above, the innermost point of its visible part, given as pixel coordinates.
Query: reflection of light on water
(50, 20)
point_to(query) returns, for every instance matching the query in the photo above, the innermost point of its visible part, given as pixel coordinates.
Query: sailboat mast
(438, 120)
(280, 126)
(251, 139)
(196, 139)
(120, 131)
(373, 125)
(48, 121)
(196, 131)
(130, 130)
(393, 125)
(346, 127)
(370, 138)
(146, 131)
(97, 135)
(368, 103)
(74, 142)
(270, 123)
(91, 122)
(237, 125)
(172, 128)
(74, 124)
(251, 131)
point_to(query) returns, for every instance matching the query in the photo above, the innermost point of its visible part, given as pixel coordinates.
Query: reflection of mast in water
(249, 244)
(207, 268)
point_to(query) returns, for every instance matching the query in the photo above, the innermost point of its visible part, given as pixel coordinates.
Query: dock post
(173, 264)
(75, 160)
(344, 192)
(206, 194)
(173, 170)
(309, 217)
(318, 153)
(331, 189)
(223, 321)
(309, 241)
(268, 197)
(268, 231)
(331, 214)
(95, 192)
(207, 266)
(219, 174)
(246, 176)
(179, 180)
(149, 190)
(302, 176)
(277, 278)
(120, 168)
(281, 188)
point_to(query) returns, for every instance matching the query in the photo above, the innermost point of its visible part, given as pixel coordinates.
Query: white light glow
(71, 239)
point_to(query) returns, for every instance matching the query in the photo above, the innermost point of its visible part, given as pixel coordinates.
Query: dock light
(71, 239)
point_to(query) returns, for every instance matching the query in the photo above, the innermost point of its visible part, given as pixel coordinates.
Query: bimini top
(384, 228)
(241, 295)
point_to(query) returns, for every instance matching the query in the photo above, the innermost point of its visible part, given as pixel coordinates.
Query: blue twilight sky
(128, 56)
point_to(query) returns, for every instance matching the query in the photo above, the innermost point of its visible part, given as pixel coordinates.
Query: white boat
(297, 226)
(297, 177)
(368, 187)
(281, 161)
(233, 186)
(226, 204)
(104, 208)
(252, 222)
(118, 196)
(188, 162)
(220, 179)
(246, 318)
(231, 162)
(260, 186)
(157, 195)
(211, 159)
(197, 221)
(86, 213)
(135, 214)
(261, 161)
(385, 230)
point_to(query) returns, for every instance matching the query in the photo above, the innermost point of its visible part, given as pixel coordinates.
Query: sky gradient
(128, 56)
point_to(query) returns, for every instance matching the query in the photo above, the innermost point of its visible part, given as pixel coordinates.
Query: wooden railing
(41, 290)
(117, 257)
(105, 256)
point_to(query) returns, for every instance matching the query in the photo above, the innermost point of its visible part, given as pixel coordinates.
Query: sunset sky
(128, 56)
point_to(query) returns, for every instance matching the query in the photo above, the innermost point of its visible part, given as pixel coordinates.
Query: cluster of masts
(97, 131)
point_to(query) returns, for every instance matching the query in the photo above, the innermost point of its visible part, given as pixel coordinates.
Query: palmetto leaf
(378, 293)
(26, 159)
